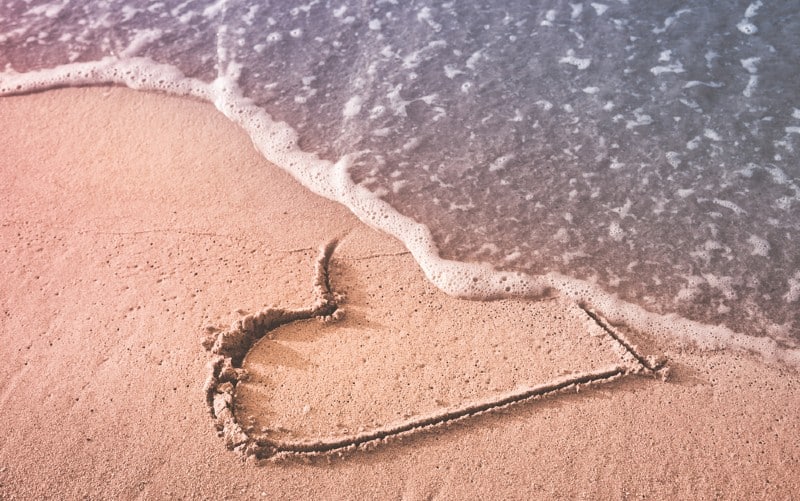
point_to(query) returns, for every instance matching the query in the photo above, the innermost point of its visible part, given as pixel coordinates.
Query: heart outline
(229, 348)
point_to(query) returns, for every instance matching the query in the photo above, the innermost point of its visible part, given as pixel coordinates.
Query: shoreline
(134, 220)
(277, 142)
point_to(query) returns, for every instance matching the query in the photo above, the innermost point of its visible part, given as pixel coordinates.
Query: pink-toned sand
(130, 222)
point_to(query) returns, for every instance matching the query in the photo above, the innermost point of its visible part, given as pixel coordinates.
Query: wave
(278, 142)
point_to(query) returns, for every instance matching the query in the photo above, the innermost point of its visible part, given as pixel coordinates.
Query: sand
(135, 225)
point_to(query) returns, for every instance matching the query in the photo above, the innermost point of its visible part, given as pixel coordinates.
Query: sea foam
(278, 143)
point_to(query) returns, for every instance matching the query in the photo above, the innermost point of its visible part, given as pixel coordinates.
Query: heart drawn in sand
(229, 348)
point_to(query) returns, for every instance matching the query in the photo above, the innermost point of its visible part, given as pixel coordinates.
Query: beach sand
(134, 224)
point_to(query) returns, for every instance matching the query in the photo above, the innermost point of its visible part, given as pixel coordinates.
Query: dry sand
(130, 222)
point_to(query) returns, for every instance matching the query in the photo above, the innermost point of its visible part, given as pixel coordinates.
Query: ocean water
(640, 156)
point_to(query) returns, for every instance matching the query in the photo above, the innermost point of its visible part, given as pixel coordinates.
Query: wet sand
(134, 226)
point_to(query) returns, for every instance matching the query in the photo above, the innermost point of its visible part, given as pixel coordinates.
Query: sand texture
(171, 328)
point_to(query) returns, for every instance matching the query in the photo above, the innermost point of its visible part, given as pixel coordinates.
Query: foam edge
(277, 142)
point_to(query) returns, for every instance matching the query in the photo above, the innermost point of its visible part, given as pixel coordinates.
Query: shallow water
(650, 149)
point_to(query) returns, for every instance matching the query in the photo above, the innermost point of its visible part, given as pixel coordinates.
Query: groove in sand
(229, 348)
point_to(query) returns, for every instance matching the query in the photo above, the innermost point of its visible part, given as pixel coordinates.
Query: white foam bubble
(750, 64)
(352, 107)
(450, 71)
(500, 163)
(695, 83)
(670, 20)
(49, 10)
(600, 8)
(140, 40)
(472, 61)
(752, 83)
(186, 17)
(747, 27)
(549, 17)
(640, 119)
(251, 15)
(578, 62)
(752, 9)
(673, 158)
(793, 284)
(691, 104)
(425, 15)
(214, 9)
(730, 205)
(760, 246)
(615, 231)
(136, 73)
(669, 68)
